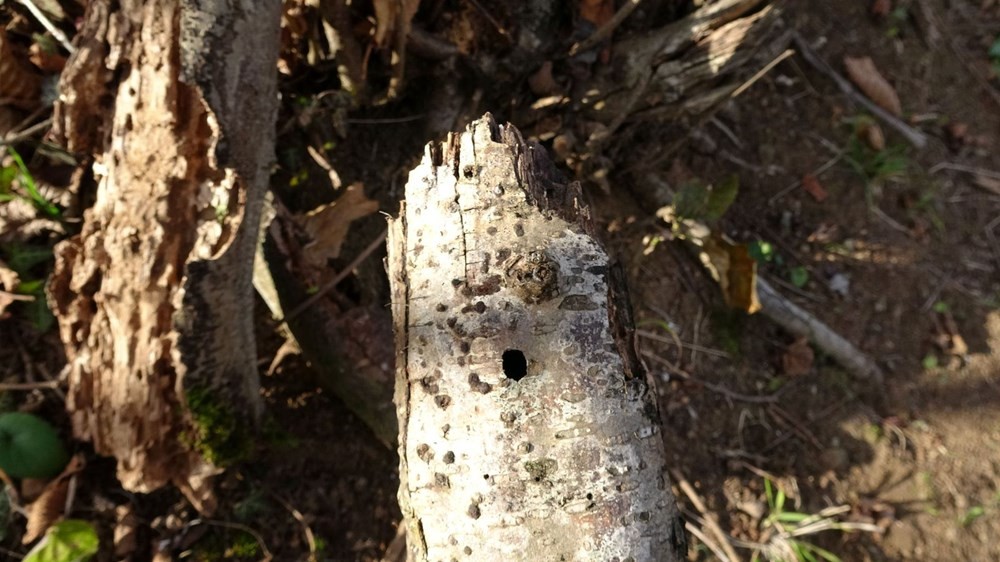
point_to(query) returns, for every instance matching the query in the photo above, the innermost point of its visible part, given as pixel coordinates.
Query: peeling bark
(527, 425)
(175, 101)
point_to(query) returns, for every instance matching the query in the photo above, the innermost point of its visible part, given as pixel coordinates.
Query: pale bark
(491, 255)
(176, 102)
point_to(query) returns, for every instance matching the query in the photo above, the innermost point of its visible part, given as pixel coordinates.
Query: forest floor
(895, 248)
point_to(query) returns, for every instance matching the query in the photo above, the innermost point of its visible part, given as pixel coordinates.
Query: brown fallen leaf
(20, 85)
(872, 135)
(597, 12)
(732, 267)
(947, 338)
(49, 506)
(814, 188)
(988, 183)
(798, 358)
(541, 82)
(126, 528)
(328, 225)
(390, 15)
(881, 8)
(869, 80)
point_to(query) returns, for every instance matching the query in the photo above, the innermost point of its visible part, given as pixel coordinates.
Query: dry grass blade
(868, 79)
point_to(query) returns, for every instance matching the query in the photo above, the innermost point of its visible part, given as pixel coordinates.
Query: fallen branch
(799, 322)
(913, 136)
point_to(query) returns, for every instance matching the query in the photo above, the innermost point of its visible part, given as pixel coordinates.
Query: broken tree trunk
(176, 102)
(527, 426)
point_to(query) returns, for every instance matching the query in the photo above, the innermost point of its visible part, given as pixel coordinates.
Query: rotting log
(528, 429)
(174, 104)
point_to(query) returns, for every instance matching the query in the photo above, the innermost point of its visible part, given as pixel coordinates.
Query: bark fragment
(527, 428)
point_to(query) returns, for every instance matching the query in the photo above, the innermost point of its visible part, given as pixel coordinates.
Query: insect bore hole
(515, 366)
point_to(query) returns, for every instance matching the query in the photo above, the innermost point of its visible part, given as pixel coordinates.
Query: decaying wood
(175, 102)
(491, 261)
(687, 67)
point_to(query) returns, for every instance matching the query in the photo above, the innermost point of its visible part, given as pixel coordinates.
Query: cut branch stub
(527, 426)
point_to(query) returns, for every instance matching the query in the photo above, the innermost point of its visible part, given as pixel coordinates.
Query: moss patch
(220, 435)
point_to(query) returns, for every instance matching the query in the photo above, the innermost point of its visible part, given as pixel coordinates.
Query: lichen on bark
(526, 426)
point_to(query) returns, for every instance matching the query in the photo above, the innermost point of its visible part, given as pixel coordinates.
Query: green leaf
(700, 201)
(941, 307)
(995, 49)
(761, 251)
(721, 197)
(39, 314)
(799, 276)
(7, 175)
(692, 199)
(930, 361)
(30, 447)
(970, 516)
(70, 540)
(22, 257)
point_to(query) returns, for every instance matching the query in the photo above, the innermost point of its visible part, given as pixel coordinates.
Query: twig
(963, 168)
(760, 73)
(913, 136)
(306, 529)
(48, 25)
(267, 556)
(710, 522)
(726, 131)
(683, 345)
(337, 278)
(767, 399)
(711, 544)
(815, 173)
(40, 385)
(799, 322)
(29, 132)
(489, 17)
(606, 29)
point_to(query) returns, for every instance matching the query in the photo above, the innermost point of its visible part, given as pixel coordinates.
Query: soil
(901, 259)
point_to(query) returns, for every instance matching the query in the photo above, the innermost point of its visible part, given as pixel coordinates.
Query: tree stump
(174, 102)
(528, 429)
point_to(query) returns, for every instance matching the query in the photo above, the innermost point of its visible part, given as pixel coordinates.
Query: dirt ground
(897, 251)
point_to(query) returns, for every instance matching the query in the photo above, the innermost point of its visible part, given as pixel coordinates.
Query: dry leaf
(597, 12)
(881, 8)
(390, 15)
(947, 338)
(541, 82)
(736, 272)
(49, 506)
(865, 75)
(988, 183)
(20, 86)
(327, 225)
(797, 359)
(125, 531)
(8, 283)
(872, 134)
(814, 188)
(51, 62)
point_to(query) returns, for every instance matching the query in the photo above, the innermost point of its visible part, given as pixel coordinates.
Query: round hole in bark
(515, 365)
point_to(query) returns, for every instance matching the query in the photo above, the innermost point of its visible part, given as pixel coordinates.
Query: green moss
(220, 545)
(221, 436)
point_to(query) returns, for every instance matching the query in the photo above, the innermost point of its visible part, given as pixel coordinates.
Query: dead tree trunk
(174, 102)
(527, 427)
